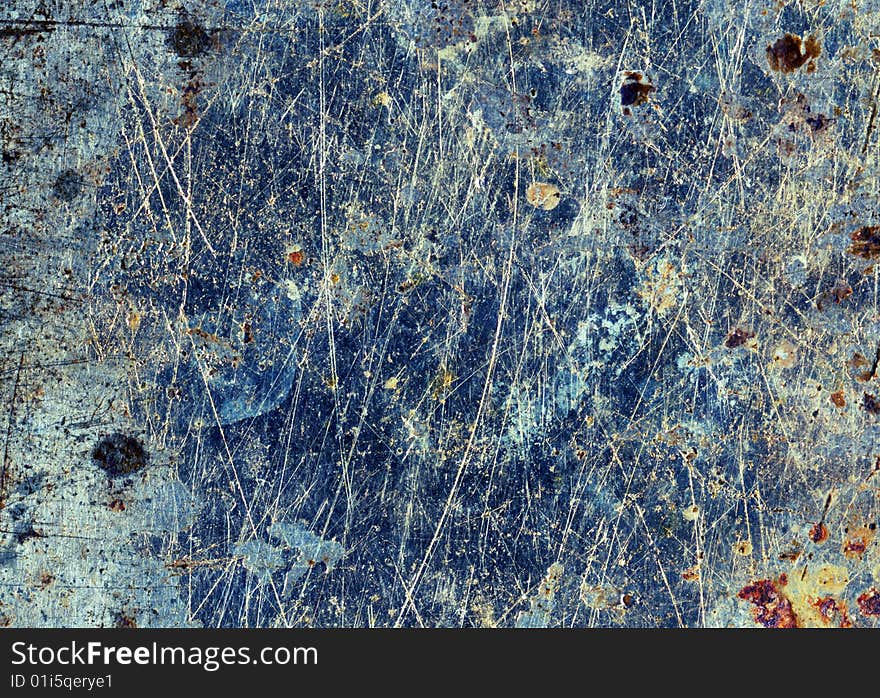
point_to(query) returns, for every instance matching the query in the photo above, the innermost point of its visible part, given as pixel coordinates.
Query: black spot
(119, 454)
(737, 338)
(818, 123)
(633, 91)
(189, 39)
(871, 404)
(68, 185)
(27, 533)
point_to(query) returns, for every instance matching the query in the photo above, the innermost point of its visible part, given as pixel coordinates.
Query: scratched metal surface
(391, 312)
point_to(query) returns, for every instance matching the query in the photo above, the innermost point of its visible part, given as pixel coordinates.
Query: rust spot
(857, 364)
(869, 602)
(865, 242)
(784, 55)
(692, 574)
(124, 620)
(189, 100)
(737, 338)
(819, 533)
(117, 505)
(634, 91)
(46, 579)
(829, 609)
(772, 607)
(838, 399)
(871, 403)
(28, 533)
(189, 39)
(841, 291)
(296, 257)
(857, 541)
(792, 554)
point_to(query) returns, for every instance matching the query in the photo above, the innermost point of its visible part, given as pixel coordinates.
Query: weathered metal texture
(385, 312)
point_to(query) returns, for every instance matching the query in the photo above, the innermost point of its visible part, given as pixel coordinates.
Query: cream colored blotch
(543, 195)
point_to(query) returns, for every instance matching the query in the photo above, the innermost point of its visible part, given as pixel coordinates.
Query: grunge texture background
(453, 313)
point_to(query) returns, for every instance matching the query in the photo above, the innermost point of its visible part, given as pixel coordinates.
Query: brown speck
(737, 338)
(841, 291)
(819, 122)
(691, 574)
(860, 365)
(743, 547)
(857, 541)
(869, 602)
(871, 404)
(819, 533)
(792, 554)
(772, 607)
(189, 39)
(838, 399)
(46, 579)
(865, 242)
(296, 258)
(634, 91)
(124, 620)
(190, 102)
(829, 608)
(117, 505)
(784, 55)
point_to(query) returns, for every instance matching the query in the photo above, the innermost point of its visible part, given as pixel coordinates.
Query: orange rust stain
(857, 541)
(772, 607)
(832, 611)
(819, 533)
(869, 602)
(692, 574)
(785, 56)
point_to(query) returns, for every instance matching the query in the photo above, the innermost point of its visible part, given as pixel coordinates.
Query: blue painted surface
(380, 383)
